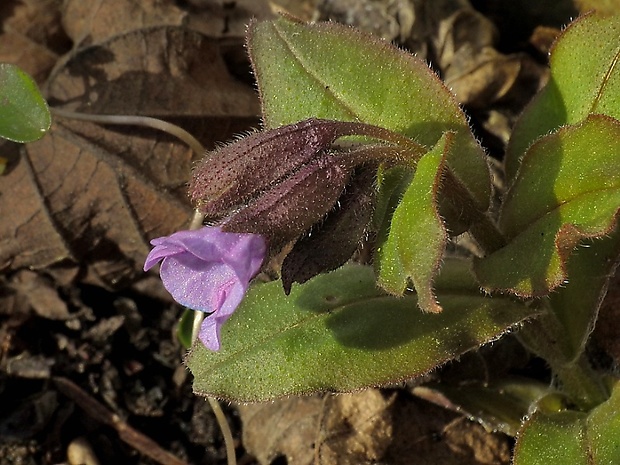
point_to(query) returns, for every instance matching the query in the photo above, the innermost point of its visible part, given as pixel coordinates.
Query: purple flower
(208, 270)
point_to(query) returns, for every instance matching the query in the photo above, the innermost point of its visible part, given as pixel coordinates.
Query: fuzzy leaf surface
(572, 437)
(338, 332)
(568, 189)
(576, 304)
(24, 115)
(417, 237)
(585, 79)
(330, 71)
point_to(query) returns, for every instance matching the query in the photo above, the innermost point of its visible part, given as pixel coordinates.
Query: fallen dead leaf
(94, 195)
(95, 21)
(283, 428)
(464, 49)
(31, 36)
(355, 429)
(368, 427)
(426, 434)
(40, 294)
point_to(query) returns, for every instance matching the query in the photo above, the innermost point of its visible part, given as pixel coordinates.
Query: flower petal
(209, 334)
(195, 283)
(208, 270)
(159, 252)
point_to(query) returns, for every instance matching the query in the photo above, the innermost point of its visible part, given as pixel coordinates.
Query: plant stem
(145, 121)
(581, 383)
(228, 438)
(229, 443)
(481, 227)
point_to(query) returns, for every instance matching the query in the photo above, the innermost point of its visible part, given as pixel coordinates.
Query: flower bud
(335, 240)
(236, 173)
(233, 174)
(291, 207)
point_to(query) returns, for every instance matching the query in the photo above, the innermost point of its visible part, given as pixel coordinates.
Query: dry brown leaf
(283, 428)
(367, 428)
(95, 21)
(426, 434)
(356, 429)
(223, 19)
(165, 71)
(345, 429)
(94, 195)
(464, 47)
(31, 36)
(40, 295)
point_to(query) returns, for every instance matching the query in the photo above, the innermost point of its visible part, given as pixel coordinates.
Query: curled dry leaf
(368, 427)
(345, 429)
(95, 21)
(95, 195)
(471, 67)
(31, 36)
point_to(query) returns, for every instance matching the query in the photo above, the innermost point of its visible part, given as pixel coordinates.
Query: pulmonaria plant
(263, 192)
(208, 270)
(360, 136)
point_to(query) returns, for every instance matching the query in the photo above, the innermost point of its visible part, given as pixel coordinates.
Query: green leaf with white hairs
(567, 189)
(585, 80)
(339, 332)
(327, 70)
(417, 237)
(572, 437)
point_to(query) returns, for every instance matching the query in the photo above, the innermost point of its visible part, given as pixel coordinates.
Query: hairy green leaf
(568, 189)
(24, 115)
(548, 439)
(338, 332)
(417, 237)
(572, 437)
(575, 305)
(330, 71)
(585, 79)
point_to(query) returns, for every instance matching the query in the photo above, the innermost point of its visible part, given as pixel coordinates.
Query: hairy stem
(481, 227)
(223, 423)
(545, 336)
(582, 383)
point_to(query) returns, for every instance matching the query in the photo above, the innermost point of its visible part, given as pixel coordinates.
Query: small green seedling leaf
(326, 70)
(572, 437)
(585, 79)
(417, 237)
(24, 115)
(339, 332)
(568, 189)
